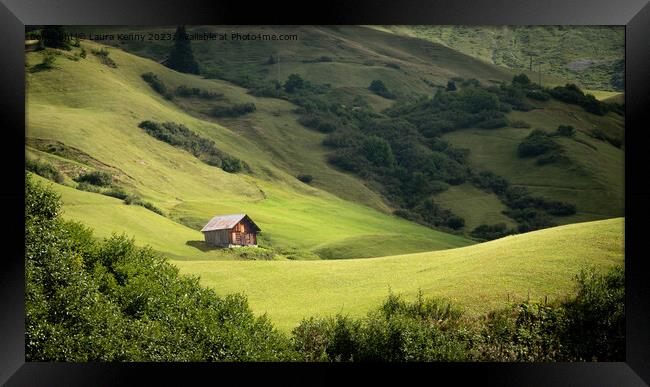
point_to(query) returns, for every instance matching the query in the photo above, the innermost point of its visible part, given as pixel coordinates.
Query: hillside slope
(410, 61)
(479, 278)
(589, 55)
(92, 112)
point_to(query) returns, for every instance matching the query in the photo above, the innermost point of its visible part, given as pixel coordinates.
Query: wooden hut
(231, 231)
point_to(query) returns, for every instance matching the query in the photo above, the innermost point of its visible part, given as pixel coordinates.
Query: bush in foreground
(90, 300)
(588, 326)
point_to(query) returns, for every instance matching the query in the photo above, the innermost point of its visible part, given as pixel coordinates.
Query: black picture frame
(634, 14)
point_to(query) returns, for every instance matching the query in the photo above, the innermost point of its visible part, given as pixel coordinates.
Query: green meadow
(478, 278)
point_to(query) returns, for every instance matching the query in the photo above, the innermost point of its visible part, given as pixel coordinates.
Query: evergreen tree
(181, 57)
(55, 37)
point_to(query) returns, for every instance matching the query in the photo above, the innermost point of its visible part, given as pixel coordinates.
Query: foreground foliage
(89, 300)
(589, 326)
(111, 301)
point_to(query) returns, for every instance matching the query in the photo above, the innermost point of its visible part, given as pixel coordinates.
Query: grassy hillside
(64, 105)
(415, 60)
(354, 57)
(94, 111)
(593, 56)
(479, 277)
(593, 180)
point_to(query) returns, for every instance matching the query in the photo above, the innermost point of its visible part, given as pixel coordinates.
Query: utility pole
(279, 83)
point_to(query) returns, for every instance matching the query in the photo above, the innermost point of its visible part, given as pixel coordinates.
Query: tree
(293, 83)
(378, 151)
(181, 57)
(378, 87)
(521, 79)
(55, 37)
(566, 130)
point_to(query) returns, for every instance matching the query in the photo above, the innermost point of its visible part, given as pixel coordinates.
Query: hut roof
(226, 222)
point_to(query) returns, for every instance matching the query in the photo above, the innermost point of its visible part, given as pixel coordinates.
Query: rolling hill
(478, 278)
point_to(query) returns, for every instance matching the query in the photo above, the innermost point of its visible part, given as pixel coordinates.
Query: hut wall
(217, 237)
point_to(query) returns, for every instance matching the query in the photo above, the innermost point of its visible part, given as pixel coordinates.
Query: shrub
(455, 222)
(490, 232)
(552, 158)
(234, 110)
(377, 151)
(430, 213)
(393, 65)
(493, 123)
(538, 95)
(521, 80)
(318, 122)
(98, 178)
(137, 201)
(204, 149)
(82, 53)
(104, 58)
(378, 87)
(83, 186)
(116, 192)
(451, 86)
(528, 332)
(589, 326)
(595, 329)
(45, 170)
(424, 330)
(471, 82)
(519, 124)
(158, 85)
(185, 91)
(47, 63)
(293, 83)
(565, 130)
(571, 93)
(491, 181)
(600, 135)
(537, 143)
(559, 208)
(305, 178)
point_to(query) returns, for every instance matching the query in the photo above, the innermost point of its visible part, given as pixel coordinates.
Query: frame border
(634, 14)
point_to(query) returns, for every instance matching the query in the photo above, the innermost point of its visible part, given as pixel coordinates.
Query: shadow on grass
(201, 245)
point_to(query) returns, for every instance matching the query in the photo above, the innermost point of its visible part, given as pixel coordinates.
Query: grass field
(478, 278)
